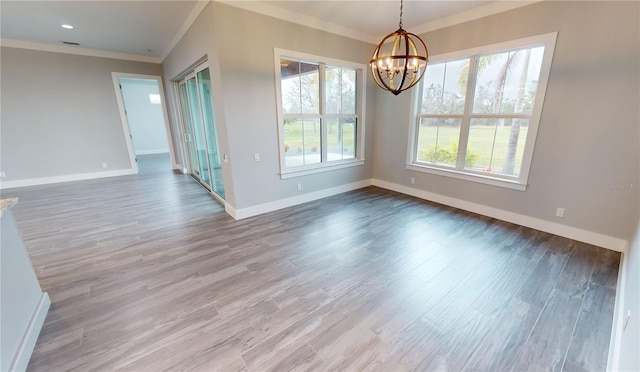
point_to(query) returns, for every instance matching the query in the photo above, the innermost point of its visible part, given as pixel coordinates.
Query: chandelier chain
(401, 6)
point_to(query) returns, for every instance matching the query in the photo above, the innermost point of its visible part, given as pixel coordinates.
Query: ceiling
(151, 28)
(116, 26)
(377, 18)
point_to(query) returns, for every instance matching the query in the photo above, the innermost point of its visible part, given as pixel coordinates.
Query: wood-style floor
(147, 273)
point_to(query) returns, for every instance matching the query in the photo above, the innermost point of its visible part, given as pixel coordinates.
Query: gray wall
(197, 42)
(59, 113)
(240, 48)
(146, 122)
(588, 134)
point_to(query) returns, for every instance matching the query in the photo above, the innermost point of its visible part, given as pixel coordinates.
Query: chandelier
(399, 61)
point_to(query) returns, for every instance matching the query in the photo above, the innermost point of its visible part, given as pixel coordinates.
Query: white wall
(588, 134)
(146, 122)
(23, 305)
(59, 114)
(240, 47)
(629, 346)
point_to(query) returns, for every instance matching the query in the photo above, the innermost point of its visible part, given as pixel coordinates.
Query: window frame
(361, 83)
(519, 182)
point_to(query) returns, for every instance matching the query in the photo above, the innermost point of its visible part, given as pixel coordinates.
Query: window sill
(320, 169)
(488, 180)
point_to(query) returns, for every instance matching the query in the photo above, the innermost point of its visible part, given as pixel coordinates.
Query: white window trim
(361, 96)
(516, 183)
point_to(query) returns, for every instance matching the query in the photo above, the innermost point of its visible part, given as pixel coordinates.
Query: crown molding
(275, 12)
(454, 19)
(470, 15)
(304, 20)
(195, 12)
(12, 43)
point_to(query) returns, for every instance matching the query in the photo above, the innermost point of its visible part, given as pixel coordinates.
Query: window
(320, 113)
(477, 112)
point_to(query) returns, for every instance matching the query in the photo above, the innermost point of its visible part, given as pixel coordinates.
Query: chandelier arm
(396, 42)
(406, 60)
(414, 50)
(426, 51)
(377, 76)
(412, 82)
(414, 54)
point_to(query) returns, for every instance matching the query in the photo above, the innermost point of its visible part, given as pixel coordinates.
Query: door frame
(115, 76)
(182, 78)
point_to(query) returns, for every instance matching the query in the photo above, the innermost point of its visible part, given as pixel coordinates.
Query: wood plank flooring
(147, 273)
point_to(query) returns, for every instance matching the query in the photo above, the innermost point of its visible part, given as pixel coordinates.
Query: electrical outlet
(3, 174)
(256, 157)
(560, 212)
(104, 165)
(413, 180)
(299, 187)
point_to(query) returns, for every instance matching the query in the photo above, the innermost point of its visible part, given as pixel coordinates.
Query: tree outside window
(319, 113)
(475, 112)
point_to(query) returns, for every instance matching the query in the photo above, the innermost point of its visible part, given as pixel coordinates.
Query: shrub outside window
(477, 112)
(320, 106)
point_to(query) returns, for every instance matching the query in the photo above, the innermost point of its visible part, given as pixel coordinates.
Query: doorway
(199, 126)
(144, 119)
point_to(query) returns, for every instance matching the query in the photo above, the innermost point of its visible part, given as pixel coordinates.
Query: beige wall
(59, 114)
(588, 134)
(240, 47)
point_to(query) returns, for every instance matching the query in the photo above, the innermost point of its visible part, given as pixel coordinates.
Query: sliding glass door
(198, 131)
(187, 122)
(213, 152)
(200, 128)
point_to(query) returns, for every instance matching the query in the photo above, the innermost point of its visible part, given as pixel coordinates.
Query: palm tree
(514, 134)
(464, 73)
(511, 61)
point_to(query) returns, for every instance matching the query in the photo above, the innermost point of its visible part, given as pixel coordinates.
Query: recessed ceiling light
(68, 27)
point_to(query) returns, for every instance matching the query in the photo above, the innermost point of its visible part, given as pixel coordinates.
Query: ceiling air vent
(70, 43)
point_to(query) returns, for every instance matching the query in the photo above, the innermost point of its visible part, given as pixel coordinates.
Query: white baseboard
(152, 152)
(65, 178)
(615, 343)
(600, 240)
(21, 359)
(231, 211)
(239, 214)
